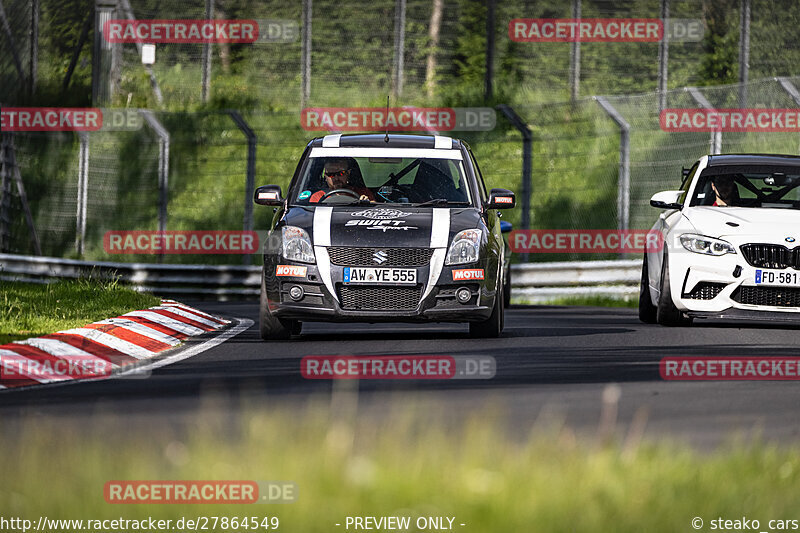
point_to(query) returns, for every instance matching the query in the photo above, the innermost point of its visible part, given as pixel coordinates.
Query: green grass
(411, 461)
(30, 310)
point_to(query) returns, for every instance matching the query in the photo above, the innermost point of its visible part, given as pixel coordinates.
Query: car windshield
(383, 180)
(748, 186)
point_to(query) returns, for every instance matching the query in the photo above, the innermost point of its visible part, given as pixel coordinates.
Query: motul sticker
(467, 273)
(503, 200)
(291, 271)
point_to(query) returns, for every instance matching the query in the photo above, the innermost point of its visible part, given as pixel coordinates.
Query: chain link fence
(575, 175)
(357, 52)
(187, 168)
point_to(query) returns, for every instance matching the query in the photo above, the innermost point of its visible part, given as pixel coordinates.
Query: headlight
(701, 244)
(464, 248)
(297, 245)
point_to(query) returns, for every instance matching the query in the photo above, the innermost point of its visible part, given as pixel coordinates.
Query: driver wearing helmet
(339, 174)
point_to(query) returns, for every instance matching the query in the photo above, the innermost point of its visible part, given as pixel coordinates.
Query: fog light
(463, 295)
(296, 293)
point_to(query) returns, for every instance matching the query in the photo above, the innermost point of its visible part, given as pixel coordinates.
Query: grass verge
(584, 301)
(30, 310)
(411, 462)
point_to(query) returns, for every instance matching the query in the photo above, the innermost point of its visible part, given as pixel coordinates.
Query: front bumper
(379, 303)
(725, 286)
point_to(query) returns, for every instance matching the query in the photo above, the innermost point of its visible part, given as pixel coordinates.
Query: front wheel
(493, 326)
(647, 310)
(271, 328)
(507, 290)
(666, 312)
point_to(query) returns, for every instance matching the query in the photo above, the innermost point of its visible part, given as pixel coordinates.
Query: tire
(647, 310)
(507, 290)
(493, 326)
(667, 314)
(271, 328)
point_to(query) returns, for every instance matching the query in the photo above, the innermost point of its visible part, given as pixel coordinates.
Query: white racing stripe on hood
(322, 238)
(322, 226)
(440, 233)
(440, 228)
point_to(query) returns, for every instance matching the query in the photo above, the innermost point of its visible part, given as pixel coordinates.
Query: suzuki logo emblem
(380, 257)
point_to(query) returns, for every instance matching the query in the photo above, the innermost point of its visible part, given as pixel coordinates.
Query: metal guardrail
(225, 280)
(533, 282)
(543, 282)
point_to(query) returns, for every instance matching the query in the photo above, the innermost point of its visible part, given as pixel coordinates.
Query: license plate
(380, 275)
(777, 278)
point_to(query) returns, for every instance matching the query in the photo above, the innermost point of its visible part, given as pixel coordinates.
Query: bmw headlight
(700, 244)
(464, 248)
(296, 245)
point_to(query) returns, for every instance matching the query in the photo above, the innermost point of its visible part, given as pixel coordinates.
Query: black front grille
(771, 256)
(705, 290)
(392, 257)
(770, 296)
(363, 298)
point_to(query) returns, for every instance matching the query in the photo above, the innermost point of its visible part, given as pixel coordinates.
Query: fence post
(305, 61)
(163, 168)
(663, 59)
(715, 143)
(624, 180)
(250, 183)
(34, 37)
(83, 192)
(744, 51)
(488, 84)
(206, 82)
(5, 195)
(11, 44)
(126, 8)
(527, 144)
(101, 55)
(399, 47)
(575, 56)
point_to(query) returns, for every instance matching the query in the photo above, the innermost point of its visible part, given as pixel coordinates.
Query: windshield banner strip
(426, 153)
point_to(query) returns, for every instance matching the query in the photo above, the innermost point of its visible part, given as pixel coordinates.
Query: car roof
(753, 159)
(378, 140)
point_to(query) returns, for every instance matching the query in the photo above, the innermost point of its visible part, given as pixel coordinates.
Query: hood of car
(371, 227)
(746, 223)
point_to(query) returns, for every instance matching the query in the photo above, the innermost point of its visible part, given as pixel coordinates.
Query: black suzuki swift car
(384, 228)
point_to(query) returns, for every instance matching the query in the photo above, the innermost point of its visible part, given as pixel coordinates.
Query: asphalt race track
(553, 362)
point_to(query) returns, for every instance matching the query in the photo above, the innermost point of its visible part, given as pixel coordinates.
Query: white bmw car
(731, 243)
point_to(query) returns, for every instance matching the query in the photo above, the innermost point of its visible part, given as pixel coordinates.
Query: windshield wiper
(440, 201)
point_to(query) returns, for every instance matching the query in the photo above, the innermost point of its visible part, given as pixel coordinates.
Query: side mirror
(666, 200)
(505, 226)
(501, 199)
(268, 195)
